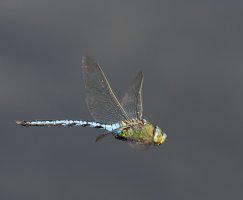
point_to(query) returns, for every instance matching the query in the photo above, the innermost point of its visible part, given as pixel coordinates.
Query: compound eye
(158, 136)
(156, 129)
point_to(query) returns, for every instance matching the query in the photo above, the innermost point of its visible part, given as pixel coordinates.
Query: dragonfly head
(159, 136)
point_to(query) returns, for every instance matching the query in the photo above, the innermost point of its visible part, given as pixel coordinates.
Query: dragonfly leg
(100, 137)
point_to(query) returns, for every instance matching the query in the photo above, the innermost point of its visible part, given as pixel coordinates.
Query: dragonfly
(122, 120)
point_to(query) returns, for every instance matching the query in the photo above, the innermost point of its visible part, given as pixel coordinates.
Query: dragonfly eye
(159, 136)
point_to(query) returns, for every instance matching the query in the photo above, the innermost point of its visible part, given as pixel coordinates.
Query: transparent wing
(132, 101)
(101, 101)
(139, 147)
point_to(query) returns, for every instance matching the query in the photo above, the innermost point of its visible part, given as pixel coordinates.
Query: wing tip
(140, 73)
(87, 60)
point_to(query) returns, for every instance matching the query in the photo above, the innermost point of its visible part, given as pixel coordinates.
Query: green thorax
(137, 132)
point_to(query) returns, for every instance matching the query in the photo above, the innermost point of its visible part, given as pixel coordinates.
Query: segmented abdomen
(82, 123)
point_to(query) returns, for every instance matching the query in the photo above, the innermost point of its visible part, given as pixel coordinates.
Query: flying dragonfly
(122, 120)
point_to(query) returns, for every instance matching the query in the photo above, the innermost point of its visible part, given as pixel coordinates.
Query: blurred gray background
(191, 53)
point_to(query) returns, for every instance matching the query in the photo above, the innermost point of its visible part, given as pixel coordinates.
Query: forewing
(132, 101)
(101, 101)
(139, 147)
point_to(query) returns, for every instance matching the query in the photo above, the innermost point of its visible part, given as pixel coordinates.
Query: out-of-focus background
(191, 53)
